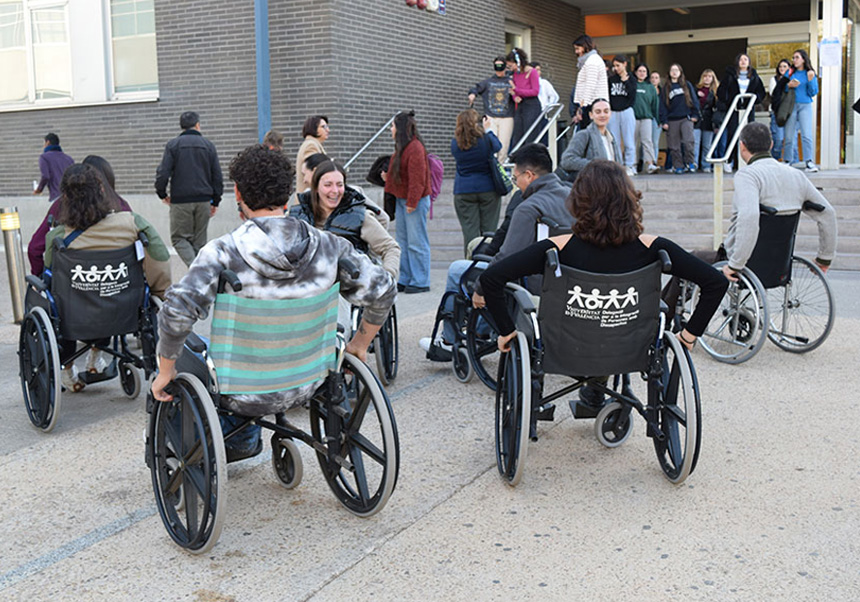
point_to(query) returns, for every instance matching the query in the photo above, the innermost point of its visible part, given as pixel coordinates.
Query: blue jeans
(656, 130)
(803, 116)
(778, 135)
(703, 140)
(411, 235)
(246, 439)
(622, 126)
(455, 273)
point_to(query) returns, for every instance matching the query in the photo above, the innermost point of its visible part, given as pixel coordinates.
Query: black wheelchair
(385, 346)
(268, 346)
(779, 296)
(98, 298)
(592, 325)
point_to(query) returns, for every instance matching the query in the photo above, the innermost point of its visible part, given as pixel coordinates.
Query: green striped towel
(269, 345)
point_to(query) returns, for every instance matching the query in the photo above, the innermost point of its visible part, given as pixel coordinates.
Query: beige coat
(309, 147)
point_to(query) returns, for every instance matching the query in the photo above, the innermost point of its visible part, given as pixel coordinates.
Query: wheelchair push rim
(513, 411)
(801, 312)
(188, 464)
(386, 349)
(482, 350)
(39, 369)
(365, 473)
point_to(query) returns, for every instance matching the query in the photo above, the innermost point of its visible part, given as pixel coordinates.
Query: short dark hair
(605, 205)
(264, 177)
(314, 160)
(499, 59)
(756, 137)
(188, 120)
(83, 201)
(311, 125)
(584, 41)
(535, 64)
(534, 157)
(52, 139)
(620, 58)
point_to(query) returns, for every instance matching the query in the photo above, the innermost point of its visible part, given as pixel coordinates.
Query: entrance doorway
(694, 57)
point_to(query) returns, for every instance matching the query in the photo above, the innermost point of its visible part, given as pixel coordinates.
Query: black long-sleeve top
(610, 260)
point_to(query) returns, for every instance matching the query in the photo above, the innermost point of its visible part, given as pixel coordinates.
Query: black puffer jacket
(346, 220)
(729, 88)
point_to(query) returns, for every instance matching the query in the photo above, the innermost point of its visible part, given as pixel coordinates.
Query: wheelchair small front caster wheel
(129, 379)
(613, 424)
(461, 364)
(286, 462)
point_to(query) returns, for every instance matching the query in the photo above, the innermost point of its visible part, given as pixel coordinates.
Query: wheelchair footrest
(545, 412)
(89, 378)
(581, 410)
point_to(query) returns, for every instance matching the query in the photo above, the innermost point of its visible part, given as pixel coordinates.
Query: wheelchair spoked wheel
(737, 329)
(39, 369)
(286, 462)
(129, 380)
(386, 349)
(801, 312)
(483, 351)
(460, 364)
(613, 424)
(189, 466)
(677, 411)
(513, 410)
(363, 427)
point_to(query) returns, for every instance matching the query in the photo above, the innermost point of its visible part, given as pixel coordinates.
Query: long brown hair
(406, 131)
(468, 130)
(84, 203)
(682, 81)
(605, 205)
(322, 169)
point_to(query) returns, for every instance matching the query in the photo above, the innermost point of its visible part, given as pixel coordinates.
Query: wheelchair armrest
(522, 297)
(195, 343)
(484, 258)
(812, 206)
(349, 267)
(664, 259)
(36, 282)
(767, 210)
(548, 221)
(144, 239)
(229, 277)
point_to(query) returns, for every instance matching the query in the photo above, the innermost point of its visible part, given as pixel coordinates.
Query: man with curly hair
(275, 257)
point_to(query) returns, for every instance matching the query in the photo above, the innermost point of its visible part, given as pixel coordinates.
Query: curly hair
(468, 129)
(605, 205)
(263, 177)
(84, 203)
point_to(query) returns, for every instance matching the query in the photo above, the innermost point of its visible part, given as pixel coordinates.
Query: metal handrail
(371, 141)
(720, 161)
(556, 108)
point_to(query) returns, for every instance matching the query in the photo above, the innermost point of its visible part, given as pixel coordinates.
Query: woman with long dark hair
(525, 88)
(408, 179)
(805, 85)
(740, 78)
(776, 88)
(679, 110)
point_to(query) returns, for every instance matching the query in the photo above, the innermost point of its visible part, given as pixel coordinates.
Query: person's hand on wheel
(730, 273)
(504, 342)
(478, 301)
(165, 375)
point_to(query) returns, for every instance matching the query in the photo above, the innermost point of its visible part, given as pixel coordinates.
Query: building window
(51, 52)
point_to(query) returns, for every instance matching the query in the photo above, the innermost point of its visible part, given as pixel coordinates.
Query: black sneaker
(589, 404)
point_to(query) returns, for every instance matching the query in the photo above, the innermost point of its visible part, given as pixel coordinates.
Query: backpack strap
(71, 237)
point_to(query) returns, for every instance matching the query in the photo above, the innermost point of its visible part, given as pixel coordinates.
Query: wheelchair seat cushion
(599, 324)
(270, 345)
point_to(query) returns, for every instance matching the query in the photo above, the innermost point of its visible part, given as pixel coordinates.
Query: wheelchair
(779, 296)
(385, 346)
(99, 298)
(597, 330)
(352, 425)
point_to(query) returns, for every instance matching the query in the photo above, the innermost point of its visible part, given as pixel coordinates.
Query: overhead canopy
(596, 7)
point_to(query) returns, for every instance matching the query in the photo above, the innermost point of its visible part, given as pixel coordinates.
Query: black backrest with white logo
(771, 258)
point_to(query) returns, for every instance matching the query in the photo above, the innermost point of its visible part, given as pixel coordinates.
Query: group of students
(641, 104)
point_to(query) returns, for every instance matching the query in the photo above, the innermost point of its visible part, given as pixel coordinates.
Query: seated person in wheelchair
(88, 220)
(765, 181)
(607, 238)
(543, 195)
(275, 257)
(333, 206)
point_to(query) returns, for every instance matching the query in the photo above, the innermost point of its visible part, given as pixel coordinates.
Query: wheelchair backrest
(599, 324)
(269, 345)
(98, 294)
(771, 258)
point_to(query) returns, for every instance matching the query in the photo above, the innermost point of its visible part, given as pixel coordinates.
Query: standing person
(274, 140)
(591, 79)
(679, 110)
(190, 164)
(594, 142)
(622, 123)
(706, 92)
(52, 163)
(495, 92)
(776, 88)
(654, 78)
(408, 179)
(646, 110)
(525, 87)
(740, 78)
(805, 85)
(475, 198)
(315, 131)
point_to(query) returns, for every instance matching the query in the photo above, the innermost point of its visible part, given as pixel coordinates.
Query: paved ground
(771, 513)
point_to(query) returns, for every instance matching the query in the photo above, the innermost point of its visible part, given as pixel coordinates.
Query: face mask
(499, 67)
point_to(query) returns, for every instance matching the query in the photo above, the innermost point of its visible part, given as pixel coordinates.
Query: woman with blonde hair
(475, 198)
(703, 134)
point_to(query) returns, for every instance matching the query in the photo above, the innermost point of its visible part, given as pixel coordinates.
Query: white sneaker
(811, 167)
(728, 168)
(96, 362)
(70, 380)
(426, 342)
(653, 168)
(630, 171)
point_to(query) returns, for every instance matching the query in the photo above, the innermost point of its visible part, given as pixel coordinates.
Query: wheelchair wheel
(482, 349)
(39, 369)
(613, 424)
(677, 410)
(737, 329)
(386, 348)
(801, 312)
(513, 410)
(188, 465)
(461, 364)
(363, 475)
(286, 462)
(129, 379)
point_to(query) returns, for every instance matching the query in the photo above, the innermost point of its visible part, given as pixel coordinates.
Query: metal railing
(551, 112)
(719, 162)
(371, 141)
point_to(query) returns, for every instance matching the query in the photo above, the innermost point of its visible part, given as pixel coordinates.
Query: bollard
(10, 224)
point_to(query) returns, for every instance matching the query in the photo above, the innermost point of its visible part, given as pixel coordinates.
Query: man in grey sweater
(766, 181)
